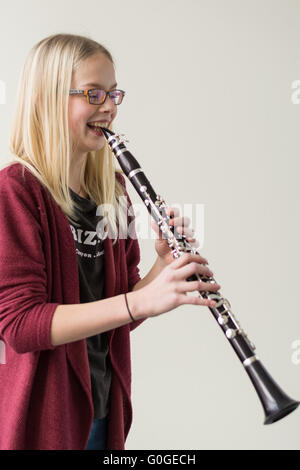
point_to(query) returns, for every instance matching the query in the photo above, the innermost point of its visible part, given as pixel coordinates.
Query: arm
(28, 322)
(152, 274)
(78, 321)
(25, 310)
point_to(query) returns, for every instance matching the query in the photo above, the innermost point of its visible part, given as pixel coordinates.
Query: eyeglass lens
(98, 96)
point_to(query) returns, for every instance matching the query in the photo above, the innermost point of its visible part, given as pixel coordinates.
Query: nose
(108, 106)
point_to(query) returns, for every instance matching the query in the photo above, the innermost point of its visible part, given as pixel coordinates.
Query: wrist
(161, 262)
(136, 304)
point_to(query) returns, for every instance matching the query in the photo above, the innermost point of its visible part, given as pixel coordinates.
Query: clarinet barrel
(275, 402)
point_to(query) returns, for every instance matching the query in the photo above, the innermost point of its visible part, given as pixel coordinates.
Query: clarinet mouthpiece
(117, 144)
(107, 133)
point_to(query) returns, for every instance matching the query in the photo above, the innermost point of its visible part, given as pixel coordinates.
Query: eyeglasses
(97, 96)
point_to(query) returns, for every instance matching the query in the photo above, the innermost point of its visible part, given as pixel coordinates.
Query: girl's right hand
(168, 290)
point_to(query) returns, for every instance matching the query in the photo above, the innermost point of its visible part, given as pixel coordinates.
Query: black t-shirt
(90, 257)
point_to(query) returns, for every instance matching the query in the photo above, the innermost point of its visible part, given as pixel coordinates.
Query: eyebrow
(97, 85)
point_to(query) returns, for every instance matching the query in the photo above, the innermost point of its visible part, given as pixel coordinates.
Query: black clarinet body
(276, 403)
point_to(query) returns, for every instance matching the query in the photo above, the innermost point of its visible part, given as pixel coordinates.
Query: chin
(98, 147)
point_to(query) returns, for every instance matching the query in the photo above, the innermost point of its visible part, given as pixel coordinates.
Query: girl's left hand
(182, 225)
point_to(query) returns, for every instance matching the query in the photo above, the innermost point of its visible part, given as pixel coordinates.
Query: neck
(76, 168)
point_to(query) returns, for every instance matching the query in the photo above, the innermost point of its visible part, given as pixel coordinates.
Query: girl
(65, 318)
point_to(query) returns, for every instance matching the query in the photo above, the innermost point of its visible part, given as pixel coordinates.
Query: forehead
(95, 69)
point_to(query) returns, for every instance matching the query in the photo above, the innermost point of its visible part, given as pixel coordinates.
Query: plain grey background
(210, 118)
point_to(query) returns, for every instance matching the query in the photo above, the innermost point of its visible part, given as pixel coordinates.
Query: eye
(96, 93)
(117, 96)
(97, 96)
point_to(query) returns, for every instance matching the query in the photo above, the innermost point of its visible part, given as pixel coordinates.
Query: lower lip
(96, 132)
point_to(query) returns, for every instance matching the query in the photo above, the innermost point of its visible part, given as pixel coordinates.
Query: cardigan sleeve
(25, 313)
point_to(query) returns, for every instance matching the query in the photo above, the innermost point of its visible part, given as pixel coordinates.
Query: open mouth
(96, 130)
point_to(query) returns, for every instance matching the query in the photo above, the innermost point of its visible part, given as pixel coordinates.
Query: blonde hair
(39, 136)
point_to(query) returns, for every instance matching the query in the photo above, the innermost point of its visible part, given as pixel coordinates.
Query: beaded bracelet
(128, 308)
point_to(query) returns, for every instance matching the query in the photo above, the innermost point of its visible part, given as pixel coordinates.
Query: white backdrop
(210, 117)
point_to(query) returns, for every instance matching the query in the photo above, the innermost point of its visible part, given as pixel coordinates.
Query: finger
(183, 287)
(193, 268)
(195, 300)
(187, 231)
(193, 242)
(178, 221)
(209, 286)
(172, 212)
(186, 258)
(188, 234)
(192, 286)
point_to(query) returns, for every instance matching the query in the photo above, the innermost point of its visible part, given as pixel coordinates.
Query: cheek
(78, 117)
(113, 115)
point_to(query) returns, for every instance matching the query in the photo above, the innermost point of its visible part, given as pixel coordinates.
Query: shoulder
(18, 173)
(20, 187)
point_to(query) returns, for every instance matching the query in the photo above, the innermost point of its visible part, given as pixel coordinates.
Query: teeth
(98, 124)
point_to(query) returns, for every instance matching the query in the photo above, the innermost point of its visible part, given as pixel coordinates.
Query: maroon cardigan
(45, 391)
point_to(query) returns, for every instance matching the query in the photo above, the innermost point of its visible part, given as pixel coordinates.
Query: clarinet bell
(276, 403)
(275, 410)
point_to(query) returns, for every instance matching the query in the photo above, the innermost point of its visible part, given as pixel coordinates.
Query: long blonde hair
(39, 137)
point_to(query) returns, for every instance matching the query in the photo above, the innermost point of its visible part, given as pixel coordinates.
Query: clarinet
(275, 402)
